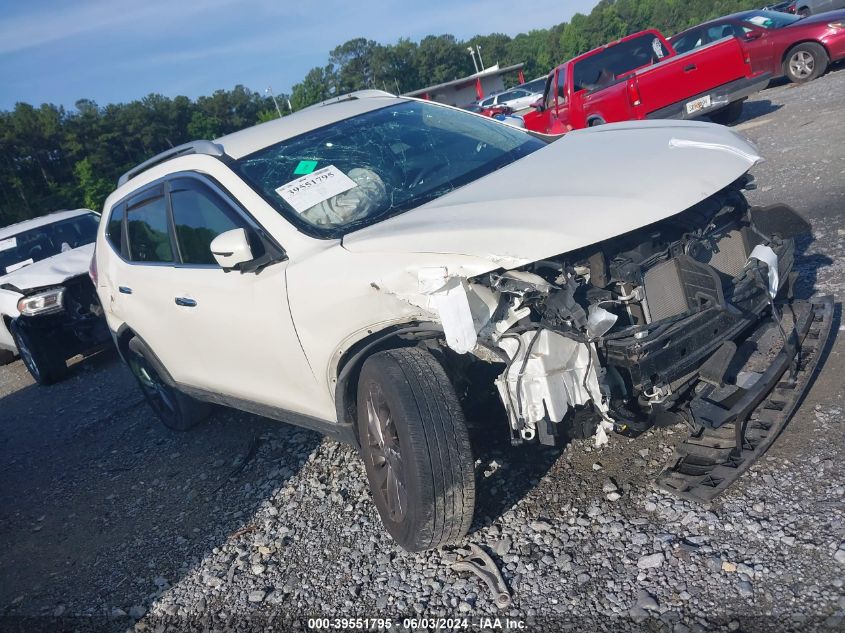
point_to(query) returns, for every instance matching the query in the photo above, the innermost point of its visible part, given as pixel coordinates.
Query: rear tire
(416, 448)
(6, 357)
(729, 114)
(42, 363)
(176, 410)
(804, 62)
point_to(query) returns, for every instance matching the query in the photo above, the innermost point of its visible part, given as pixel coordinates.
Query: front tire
(176, 410)
(805, 62)
(416, 448)
(43, 364)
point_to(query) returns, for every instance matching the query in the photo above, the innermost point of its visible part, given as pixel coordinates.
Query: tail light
(92, 269)
(634, 91)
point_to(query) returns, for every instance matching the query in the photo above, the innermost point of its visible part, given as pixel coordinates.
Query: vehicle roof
(50, 218)
(740, 16)
(240, 144)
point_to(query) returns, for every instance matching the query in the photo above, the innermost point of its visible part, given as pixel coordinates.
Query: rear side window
(146, 227)
(603, 68)
(199, 216)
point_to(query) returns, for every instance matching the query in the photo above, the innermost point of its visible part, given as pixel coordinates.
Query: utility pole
(472, 54)
(269, 91)
(480, 61)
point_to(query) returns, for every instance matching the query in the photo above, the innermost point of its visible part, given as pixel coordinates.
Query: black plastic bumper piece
(709, 461)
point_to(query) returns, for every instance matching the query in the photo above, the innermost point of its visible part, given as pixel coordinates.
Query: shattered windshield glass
(27, 247)
(359, 171)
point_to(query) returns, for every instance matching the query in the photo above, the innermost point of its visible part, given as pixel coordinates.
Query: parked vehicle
(372, 266)
(49, 310)
(642, 77)
(777, 43)
(535, 86)
(814, 7)
(783, 7)
(490, 111)
(515, 99)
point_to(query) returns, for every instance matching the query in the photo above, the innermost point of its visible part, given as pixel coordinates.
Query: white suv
(370, 265)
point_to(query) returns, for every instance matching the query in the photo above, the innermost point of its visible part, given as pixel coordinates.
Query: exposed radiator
(679, 285)
(730, 252)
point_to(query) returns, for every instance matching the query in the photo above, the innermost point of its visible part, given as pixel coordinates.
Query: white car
(370, 266)
(516, 99)
(49, 310)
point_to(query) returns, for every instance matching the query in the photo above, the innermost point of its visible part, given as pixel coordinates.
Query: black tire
(176, 410)
(44, 365)
(729, 114)
(6, 357)
(595, 121)
(804, 12)
(422, 447)
(804, 62)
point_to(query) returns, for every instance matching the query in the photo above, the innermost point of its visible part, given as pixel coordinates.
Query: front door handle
(184, 301)
(690, 68)
(125, 290)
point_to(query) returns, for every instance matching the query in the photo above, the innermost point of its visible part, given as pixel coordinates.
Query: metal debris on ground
(479, 563)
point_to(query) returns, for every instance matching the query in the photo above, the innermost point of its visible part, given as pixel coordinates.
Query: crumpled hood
(53, 270)
(586, 187)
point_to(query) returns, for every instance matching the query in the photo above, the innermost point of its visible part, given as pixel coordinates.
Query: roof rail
(194, 147)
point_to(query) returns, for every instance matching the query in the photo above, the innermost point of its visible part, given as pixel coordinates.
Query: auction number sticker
(316, 187)
(8, 243)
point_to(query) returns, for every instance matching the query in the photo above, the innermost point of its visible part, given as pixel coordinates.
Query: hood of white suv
(51, 271)
(589, 186)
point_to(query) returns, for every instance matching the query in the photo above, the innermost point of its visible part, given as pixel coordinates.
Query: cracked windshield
(381, 163)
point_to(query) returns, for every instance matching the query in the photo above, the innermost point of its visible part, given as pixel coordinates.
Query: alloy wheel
(802, 64)
(383, 442)
(26, 357)
(157, 392)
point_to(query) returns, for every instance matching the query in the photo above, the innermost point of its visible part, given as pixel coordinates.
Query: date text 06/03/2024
(445, 624)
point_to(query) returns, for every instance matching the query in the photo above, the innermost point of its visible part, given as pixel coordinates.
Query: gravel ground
(109, 521)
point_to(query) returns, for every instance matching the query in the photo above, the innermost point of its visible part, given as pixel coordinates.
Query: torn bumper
(738, 424)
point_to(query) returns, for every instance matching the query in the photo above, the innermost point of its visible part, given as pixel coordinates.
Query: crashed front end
(641, 329)
(66, 318)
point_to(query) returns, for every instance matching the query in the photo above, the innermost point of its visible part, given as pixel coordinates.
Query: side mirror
(752, 35)
(538, 105)
(231, 249)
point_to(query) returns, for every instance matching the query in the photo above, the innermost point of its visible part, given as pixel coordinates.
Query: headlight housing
(839, 24)
(44, 302)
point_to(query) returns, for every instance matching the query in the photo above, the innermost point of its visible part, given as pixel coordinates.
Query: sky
(60, 51)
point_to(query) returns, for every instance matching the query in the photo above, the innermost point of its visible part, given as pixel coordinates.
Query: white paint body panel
(276, 338)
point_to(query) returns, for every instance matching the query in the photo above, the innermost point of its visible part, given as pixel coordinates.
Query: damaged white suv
(370, 265)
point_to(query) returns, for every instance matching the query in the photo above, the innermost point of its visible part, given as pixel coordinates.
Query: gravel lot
(109, 521)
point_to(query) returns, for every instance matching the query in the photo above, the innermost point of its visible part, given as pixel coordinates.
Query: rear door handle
(689, 69)
(184, 301)
(125, 290)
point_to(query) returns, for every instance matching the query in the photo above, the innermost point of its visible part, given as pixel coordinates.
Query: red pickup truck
(642, 77)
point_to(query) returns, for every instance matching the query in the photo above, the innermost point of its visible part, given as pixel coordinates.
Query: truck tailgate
(681, 77)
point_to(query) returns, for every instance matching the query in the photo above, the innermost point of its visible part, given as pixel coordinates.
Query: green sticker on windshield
(305, 167)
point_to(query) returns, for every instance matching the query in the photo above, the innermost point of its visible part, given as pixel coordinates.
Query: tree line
(53, 158)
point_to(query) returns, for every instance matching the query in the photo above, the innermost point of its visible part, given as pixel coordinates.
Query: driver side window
(199, 215)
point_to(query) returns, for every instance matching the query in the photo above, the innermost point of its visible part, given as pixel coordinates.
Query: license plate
(698, 104)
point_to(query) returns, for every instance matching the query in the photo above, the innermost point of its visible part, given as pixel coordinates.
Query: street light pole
(472, 54)
(269, 91)
(480, 61)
